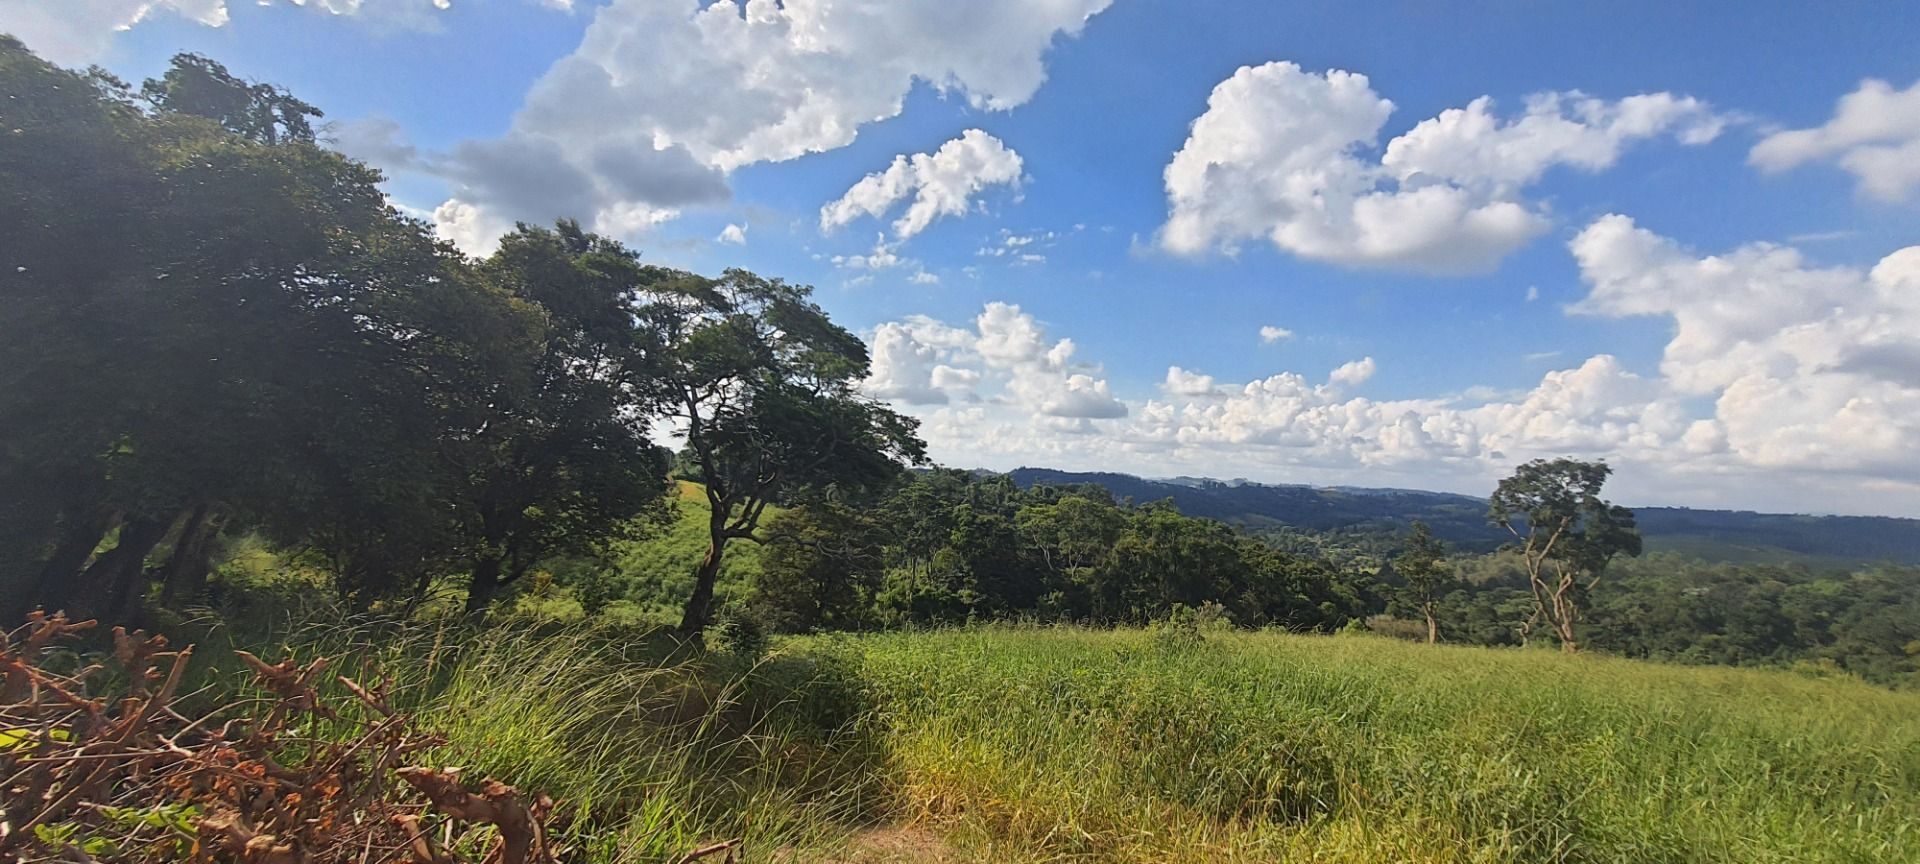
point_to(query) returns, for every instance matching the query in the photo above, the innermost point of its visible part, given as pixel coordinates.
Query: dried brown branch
(123, 775)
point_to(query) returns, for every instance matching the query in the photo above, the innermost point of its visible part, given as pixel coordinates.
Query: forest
(246, 400)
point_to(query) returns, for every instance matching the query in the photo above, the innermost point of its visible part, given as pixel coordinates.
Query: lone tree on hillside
(1424, 565)
(765, 390)
(1566, 534)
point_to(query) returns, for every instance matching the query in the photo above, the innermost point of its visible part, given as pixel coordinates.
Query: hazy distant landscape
(1714, 535)
(540, 432)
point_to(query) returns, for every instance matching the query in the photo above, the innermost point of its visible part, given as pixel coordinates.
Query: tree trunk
(699, 611)
(80, 535)
(185, 576)
(1564, 614)
(1568, 642)
(484, 587)
(1433, 626)
(117, 580)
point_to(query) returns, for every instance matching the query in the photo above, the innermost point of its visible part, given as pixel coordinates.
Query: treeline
(1675, 608)
(211, 323)
(949, 547)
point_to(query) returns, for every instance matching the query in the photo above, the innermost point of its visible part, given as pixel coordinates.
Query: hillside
(1022, 744)
(1723, 535)
(1062, 744)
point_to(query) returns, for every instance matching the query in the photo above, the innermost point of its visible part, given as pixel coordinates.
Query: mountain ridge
(1726, 535)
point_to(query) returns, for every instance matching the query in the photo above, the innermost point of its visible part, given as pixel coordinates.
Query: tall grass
(649, 751)
(1044, 744)
(1039, 744)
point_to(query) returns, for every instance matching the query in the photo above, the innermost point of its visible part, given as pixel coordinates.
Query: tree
(1074, 536)
(1566, 534)
(763, 386)
(557, 457)
(1423, 565)
(1163, 559)
(201, 87)
(819, 570)
(208, 320)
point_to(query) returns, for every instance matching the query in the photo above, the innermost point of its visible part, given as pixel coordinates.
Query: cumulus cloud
(1352, 374)
(1271, 334)
(1180, 382)
(1874, 135)
(735, 234)
(1004, 358)
(75, 32)
(1810, 367)
(662, 99)
(903, 369)
(942, 183)
(1784, 385)
(1283, 154)
(618, 187)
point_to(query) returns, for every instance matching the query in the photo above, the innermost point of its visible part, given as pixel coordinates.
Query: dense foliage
(959, 547)
(212, 326)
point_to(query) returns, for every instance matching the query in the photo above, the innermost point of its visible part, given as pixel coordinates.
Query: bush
(1179, 631)
(1398, 628)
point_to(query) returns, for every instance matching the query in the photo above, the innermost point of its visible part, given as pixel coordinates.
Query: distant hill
(1724, 535)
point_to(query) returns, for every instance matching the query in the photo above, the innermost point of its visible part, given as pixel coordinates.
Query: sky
(1401, 244)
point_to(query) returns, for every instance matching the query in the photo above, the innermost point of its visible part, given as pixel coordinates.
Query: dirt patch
(888, 845)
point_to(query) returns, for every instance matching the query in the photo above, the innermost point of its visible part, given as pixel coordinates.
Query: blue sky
(1660, 334)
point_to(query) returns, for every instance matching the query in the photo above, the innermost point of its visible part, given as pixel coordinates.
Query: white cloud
(1270, 334)
(1533, 293)
(883, 257)
(1354, 373)
(1874, 135)
(735, 234)
(1180, 382)
(663, 98)
(1280, 154)
(1810, 368)
(1016, 245)
(942, 183)
(467, 226)
(1784, 386)
(75, 32)
(903, 369)
(527, 176)
(922, 277)
(1005, 351)
(779, 80)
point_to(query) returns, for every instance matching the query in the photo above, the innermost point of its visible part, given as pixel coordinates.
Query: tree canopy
(209, 322)
(1565, 533)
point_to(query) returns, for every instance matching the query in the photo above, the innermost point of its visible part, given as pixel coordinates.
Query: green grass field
(1067, 745)
(1023, 744)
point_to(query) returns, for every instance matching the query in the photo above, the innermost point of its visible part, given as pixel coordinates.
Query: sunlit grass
(649, 751)
(1040, 744)
(1067, 744)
